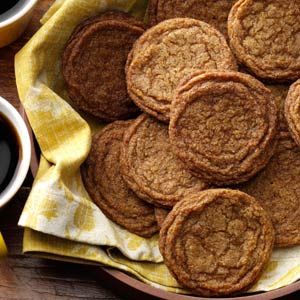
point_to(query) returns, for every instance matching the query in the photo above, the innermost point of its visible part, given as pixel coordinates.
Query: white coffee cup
(14, 21)
(21, 130)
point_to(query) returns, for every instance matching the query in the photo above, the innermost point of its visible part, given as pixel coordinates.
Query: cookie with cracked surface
(149, 166)
(212, 12)
(161, 215)
(277, 188)
(93, 65)
(105, 185)
(217, 242)
(291, 110)
(223, 126)
(264, 37)
(165, 54)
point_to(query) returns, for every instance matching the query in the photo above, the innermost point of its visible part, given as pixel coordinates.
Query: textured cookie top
(107, 188)
(94, 62)
(264, 34)
(217, 242)
(292, 111)
(223, 126)
(149, 166)
(277, 188)
(212, 12)
(166, 53)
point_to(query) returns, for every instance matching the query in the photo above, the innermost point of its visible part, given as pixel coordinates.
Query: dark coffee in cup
(10, 152)
(6, 5)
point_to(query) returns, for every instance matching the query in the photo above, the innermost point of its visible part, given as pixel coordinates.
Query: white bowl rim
(17, 121)
(29, 5)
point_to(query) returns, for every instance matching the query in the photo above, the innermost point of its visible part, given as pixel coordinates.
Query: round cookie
(212, 12)
(292, 109)
(264, 37)
(104, 183)
(223, 126)
(93, 65)
(160, 215)
(165, 54)
(217, 242)
(150, 168)
(277, 188)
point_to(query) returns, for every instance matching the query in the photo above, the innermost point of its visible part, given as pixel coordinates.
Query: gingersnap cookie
(217, 242)
(263, 35)
(160, 215)
(94, 62)
(165, 54)
(104, 183)
(149, 166)
(223, 126)
(277, 188)
(291, 109)
(212, 12)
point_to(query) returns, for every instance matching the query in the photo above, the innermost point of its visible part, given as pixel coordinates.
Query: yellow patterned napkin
(3, 250)
(60, 220)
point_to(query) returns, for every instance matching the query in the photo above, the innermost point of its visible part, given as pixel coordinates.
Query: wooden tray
(145, 288)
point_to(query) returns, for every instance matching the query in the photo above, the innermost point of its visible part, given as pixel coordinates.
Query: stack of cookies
(212, 160)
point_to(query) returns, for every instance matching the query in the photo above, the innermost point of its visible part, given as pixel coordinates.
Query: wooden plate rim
(145, 288)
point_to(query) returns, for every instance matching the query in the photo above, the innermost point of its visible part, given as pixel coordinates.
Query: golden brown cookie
(93, 65)
(223, 126)
(104, 183)
(277, 188)
(292, 111)
(165, 54)
(160, 215)
(149, 166)
(212, 12)
(217, 242)
(264, 37)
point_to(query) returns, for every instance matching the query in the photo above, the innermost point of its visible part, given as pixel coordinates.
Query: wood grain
(24, 277)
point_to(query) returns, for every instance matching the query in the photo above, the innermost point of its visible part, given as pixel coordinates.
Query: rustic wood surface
(23, 277)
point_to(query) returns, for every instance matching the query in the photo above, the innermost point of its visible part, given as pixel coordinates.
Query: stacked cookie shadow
(209, 160)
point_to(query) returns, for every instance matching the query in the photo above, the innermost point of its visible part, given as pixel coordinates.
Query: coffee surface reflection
(9, 152)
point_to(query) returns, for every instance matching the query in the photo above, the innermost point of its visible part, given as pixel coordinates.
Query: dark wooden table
(23, 277)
